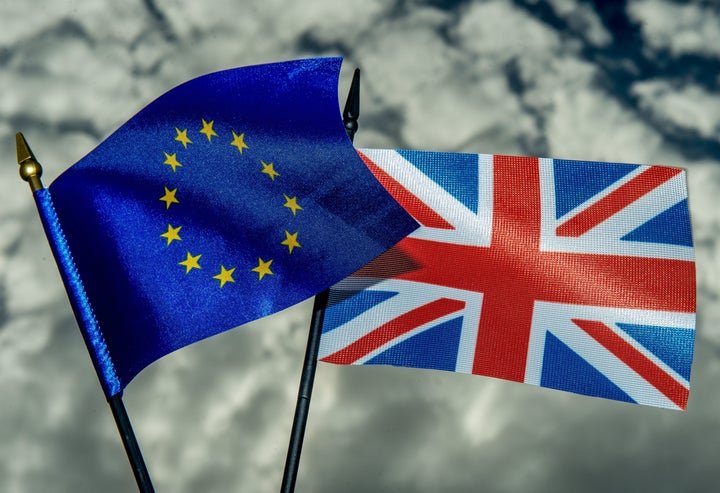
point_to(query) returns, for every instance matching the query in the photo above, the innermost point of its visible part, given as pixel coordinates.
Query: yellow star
(182, 137)
(225, 275)
(239, 142)
(207, 129)
(171, 160)
(169, 197)
(263, 268)
(269, 170)
(172, 234)
(291, 203)
(290, 241)
(190, 262)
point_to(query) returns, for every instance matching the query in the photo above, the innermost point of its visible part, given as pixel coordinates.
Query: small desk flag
(230, 197)
(572, 275)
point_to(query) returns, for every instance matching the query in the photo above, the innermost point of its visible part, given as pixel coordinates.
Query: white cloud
(687, 106)
(680, 28)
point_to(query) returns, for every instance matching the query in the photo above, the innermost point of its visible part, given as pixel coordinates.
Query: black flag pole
(132, 448)
(31, 171)
(307, 377)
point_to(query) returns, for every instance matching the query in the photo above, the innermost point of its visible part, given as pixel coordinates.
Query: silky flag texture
(572, 275)
(230, 197)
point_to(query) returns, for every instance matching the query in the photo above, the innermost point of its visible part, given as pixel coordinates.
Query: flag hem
(82, 308)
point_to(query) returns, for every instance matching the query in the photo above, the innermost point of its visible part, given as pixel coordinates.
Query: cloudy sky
(628, 81)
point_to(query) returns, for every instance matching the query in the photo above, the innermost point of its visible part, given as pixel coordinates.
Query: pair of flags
(238, 194)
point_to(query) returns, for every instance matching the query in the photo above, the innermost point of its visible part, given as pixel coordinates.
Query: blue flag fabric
(230, 197)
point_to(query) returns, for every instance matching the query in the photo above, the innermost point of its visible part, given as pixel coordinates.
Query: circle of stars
(191, 262)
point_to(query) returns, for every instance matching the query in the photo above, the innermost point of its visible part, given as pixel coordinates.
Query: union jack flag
(573, 275)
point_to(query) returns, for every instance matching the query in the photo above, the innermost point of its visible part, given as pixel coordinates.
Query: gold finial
(30, 169)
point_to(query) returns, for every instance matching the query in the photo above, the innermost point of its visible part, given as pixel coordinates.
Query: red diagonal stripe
(393, 329)
(616, 200)
(643, 366)
(415, 207)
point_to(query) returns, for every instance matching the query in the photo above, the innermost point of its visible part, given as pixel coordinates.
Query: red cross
(513, 273)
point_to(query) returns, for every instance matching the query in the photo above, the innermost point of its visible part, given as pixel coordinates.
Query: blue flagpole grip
(79, 301)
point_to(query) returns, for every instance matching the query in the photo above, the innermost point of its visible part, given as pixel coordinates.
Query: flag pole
(307, 377)
(132, 448)
(31, 171)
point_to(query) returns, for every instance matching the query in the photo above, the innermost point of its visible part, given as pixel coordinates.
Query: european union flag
(230, 197)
